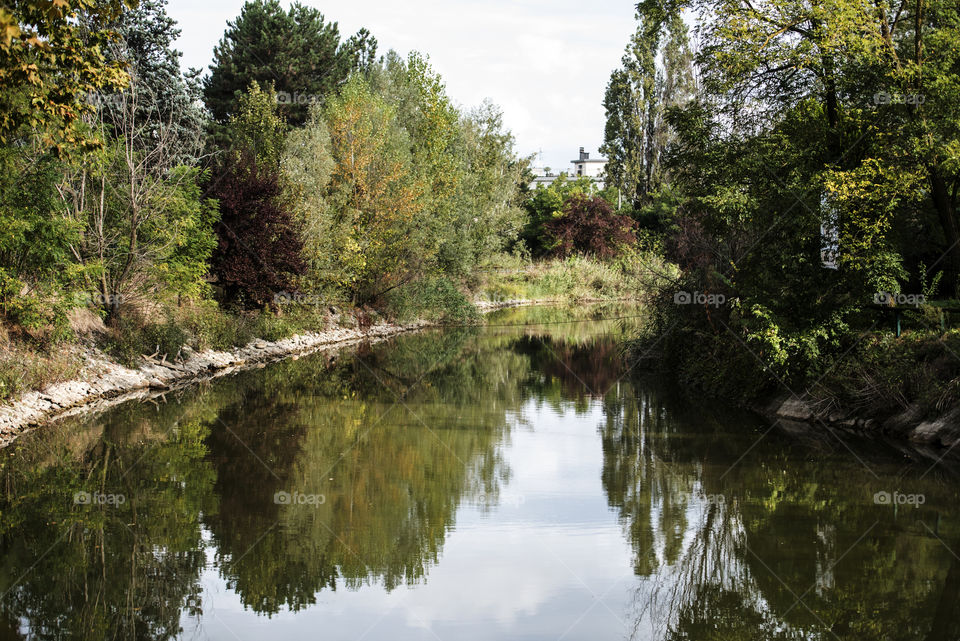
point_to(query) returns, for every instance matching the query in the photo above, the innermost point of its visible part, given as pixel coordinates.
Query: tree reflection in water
(783, 543)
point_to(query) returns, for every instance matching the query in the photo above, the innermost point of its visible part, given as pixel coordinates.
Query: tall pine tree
(296, 51)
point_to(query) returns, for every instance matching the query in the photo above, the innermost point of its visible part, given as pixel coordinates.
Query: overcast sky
(545, 62)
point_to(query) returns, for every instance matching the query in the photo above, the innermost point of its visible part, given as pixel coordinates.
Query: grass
(577, 278)
(886, 374)
(205, 326)
(23, 369)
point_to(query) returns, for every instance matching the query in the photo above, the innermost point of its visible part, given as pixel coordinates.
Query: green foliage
(49, 64)
(167, 98)
(633, 275)
(802, 127)
(491, 217)
(435, 299)
(656, 73)
(257, 128)
(130, 338)
(372, 187)
(192, 240)
(546, 204)
(375, 190)
(37, 270)
(307, 166)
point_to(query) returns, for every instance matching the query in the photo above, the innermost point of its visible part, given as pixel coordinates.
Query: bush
(259, 248)
(129, 339)
(433, 299)
(590, 226)
(25, 369)
(211, 328)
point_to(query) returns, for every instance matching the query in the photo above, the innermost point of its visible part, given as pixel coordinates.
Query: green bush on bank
(431, 299)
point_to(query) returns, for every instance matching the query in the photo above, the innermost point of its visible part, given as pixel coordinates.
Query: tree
(259, 241)
(374, 188)
(258, 129)
(296, 51)
(137, 207)
(38, 273)
(362, 46)
(884, 75)
(546, 204)
(656, 72)
(491, 213)
(49, 64)
(258, 249)
(168, 99)
(307, 166)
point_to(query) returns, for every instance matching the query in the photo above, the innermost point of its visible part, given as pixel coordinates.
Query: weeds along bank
(865, 379)
(173, 333)
(98, 380)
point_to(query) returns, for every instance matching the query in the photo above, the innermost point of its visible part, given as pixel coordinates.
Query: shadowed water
(509, 482)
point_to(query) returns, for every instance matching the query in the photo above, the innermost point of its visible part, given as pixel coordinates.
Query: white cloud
(546, 62)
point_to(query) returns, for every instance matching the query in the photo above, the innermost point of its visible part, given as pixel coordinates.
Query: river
(514, 481)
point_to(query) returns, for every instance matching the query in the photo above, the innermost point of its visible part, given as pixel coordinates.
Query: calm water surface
(510, 482)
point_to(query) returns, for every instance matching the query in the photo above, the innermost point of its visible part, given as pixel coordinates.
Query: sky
(545, 62)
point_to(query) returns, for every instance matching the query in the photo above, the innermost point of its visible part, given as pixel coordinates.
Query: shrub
(23, 369)
(212, 328)
(259, 247)
(435, 299)
(129, 339)
(589, 225)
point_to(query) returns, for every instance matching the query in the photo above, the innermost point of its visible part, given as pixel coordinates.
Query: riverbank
(105, 380)
(912, 422)
(878, 384)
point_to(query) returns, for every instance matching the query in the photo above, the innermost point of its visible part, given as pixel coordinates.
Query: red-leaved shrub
(259, 248)
(589, 225)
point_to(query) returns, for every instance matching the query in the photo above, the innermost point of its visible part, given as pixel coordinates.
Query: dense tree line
(302, 162)
(799, 160)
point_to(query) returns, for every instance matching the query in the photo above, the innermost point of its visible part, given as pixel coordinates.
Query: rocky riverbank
(105, 382)
(942, 431)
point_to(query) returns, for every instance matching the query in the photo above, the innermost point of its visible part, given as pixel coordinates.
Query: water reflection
(354, 473)
(744, 539)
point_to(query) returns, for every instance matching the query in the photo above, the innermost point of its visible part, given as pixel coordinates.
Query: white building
(584, 166)
(589, 168)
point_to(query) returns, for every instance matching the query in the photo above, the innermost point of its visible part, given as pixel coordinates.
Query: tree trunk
(946, 209)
